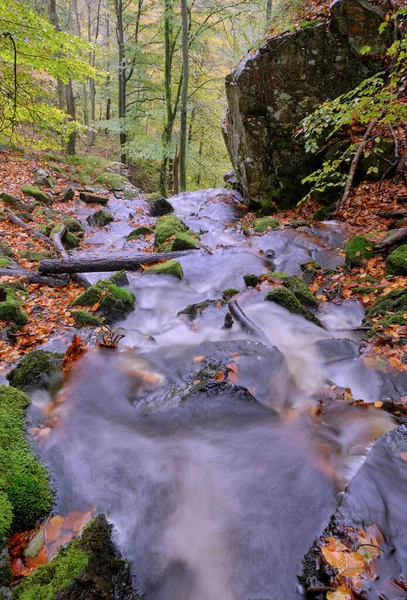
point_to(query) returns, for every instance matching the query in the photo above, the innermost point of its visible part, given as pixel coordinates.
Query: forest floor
(48, 308)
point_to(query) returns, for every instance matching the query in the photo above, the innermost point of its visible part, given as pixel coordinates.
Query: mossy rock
(269, 208)
(193, 310)
(300, 291)
(83, 318)
(170, 267)
(12, 311)
(36, 193)
(45, 229)
(325, 213)
(138, 232)
(369, 279)
(261, 225)
(115, 302)
(15, 202)
(153, 197)
(184, 241)
(69, 240)
(396, 263)
(23, 479)
(229, 293)
(251, 280)
(113, 181)
(364, 289)
(277, 275)
(37, 369)
(89, 568)
(120, 278)
(101, 218)
(5, 250)
(5, 262)
(73, 225)
(166, 227)
(33, 256)
(357, 250)
(295, 223)
(285, 298)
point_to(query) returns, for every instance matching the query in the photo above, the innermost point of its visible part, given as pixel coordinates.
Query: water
(218, 490)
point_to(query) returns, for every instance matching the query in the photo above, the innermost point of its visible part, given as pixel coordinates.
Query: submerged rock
(287, 299)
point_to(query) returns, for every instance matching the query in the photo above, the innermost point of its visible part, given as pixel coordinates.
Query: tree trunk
(269, 8)
(53, 19)
(70, 105)
(121, 76)
(184, 96)
(176, 174)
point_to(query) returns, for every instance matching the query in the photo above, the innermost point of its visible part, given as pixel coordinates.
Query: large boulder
(274, 88)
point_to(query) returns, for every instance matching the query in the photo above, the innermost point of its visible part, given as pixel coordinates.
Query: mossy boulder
(139, 232)
(36, 193)
(170, 267)
(120, 278)
(89, 568)
(286, 298)
(69, 239)
(115, 302)
(73, 225)
(277, 275)
(251, 280)
(269, 208)
(166, 227)
(390, 307)
(24, 482)
(37, 369)
(325, 213)
(261, 225)
(396, 263)
(193, 310)
(10, 310)
(15, 202)
(357, 249)
(229, 293)
(300, 291)
(101, 218)
(83, 318)
(160, 207)
(113, 181)
(184, 241)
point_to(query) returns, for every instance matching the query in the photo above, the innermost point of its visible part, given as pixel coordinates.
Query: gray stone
(43, 178)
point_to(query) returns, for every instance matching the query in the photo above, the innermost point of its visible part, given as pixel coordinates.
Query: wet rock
(161, 207)
(83, 318)
(89, 568)
(115, 302)
(325, 213)
(37, 369)
(295, 223)
(216, 389)
(90, 198)
(101, 218)
(193, 310)
(358, 249)
(35, 545)
(120, 278)
(68, 194)
(229, 293)
(139, 232)
(288, 300)
(396, 263)
(167, 227)
(74, 226)
(272, 89)
(338, 350)
(43, 178)
(36, 193)
(170, 267)
(69, 239)
(183, 241)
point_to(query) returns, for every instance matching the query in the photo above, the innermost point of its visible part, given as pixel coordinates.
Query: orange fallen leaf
(342, 593)
(40, 559)
(220, 376)
(198, 358)
(57, 521)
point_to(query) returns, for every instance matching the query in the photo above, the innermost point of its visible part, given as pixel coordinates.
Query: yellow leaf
(334, 558)
(354, 564)
(378, 404)
(342, 593)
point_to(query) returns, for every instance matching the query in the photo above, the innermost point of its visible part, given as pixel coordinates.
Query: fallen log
(391, 241)
(246, 324)
(33, 277)
(393, 214)
(105, 265)
(37, 234)
(57, 240)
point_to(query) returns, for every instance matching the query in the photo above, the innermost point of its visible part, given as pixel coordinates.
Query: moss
(229, 293)
(251, 280)
(44, 229)
(301, 291)
(363, 289)
(193, 310)
(12, 311)
(261, 225)
(369, 279)
(269, 208)
(5, 262)
(287, 300)
(36, 369)
(153, 197)
(69, 240)
(73, 225)
(245, 230)
(397, 318)
(184, 241)
(358, 249)
(34, 192)
(170, 267)
(130, 194)
(22, 477)
(101, 218)
(15, 203)
(277, 275)
(6, 515)
(168, 226)
(115, 302)
(113, 181)
(325, 213)
(386, 306)
(120, 278)
(5, 250)
(139, 231)
(33, 256)
(396, 263)
(85, 318)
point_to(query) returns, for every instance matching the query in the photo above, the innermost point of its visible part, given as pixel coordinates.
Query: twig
(393, 240)
(247, 325)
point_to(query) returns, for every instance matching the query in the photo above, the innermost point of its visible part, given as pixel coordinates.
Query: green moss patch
(113, 181)
(168, 226)
(251, 280)
(138, 232)
(396, 263)
(358, 249)
(37, 369)
(73, 225)
(24, 482)
(36, 193)
(5, 262)
(229, 293)
(69, 240)
(300, 291)
(11, 310)
(325, 213)
(184, 241)
(170, 267)
(193, 310)
(101, 218)
(33, 256)
(285, 298)
(277, 275)
(115, 302)
(15, 202)
(261, 225)
(5, 250)
(83, 318)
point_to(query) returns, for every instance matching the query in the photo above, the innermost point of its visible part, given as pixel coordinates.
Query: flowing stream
(217, 490)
